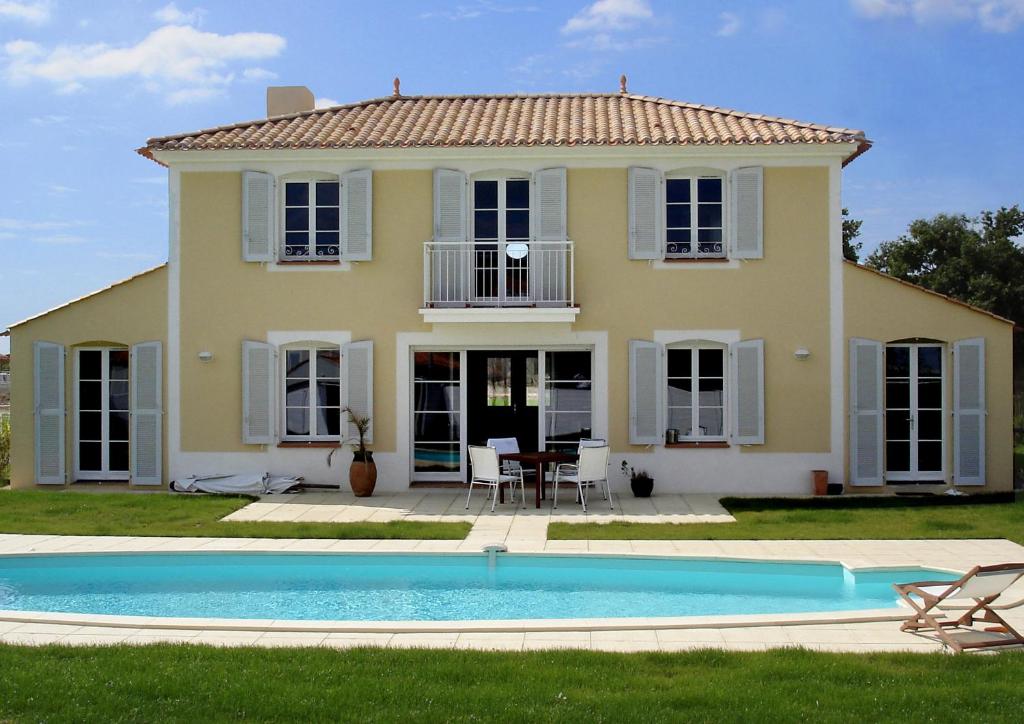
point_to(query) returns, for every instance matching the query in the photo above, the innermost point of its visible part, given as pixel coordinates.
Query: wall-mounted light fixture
(802, 353)
(206, 356)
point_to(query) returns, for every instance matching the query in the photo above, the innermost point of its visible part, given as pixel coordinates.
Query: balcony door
(914, 420)
(501, 241)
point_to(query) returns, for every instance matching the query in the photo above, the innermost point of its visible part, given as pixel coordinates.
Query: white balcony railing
(498, 274)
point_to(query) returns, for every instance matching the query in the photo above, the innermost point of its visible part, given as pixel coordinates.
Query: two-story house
(664, 275)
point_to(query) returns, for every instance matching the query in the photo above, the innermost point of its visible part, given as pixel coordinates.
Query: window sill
(308, 262)
(309, 444)
(693, 444)
(706, 260)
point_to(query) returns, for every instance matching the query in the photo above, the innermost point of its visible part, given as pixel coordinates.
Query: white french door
(915, 421)
(102, 418)
(501, 236)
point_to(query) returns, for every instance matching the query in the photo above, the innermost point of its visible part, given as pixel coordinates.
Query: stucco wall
(135, 311)
(783, 298)
(883, 309)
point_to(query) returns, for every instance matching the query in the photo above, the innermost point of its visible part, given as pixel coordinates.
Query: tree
(851, 230)
(978, 260)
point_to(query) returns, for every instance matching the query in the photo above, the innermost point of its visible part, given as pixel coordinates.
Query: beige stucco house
(547, 267)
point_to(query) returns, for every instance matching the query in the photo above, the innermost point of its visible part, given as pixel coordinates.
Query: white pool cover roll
(252, 483)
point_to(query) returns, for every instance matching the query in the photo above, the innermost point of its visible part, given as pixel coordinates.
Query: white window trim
(500, 177)
(312, 348)
(308, 177)
(282, 339)
(699, 344)
(76, 473)
(542, 362)
(438, 476)
(693, 175)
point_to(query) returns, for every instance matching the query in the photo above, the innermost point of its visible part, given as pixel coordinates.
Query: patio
(513, 525)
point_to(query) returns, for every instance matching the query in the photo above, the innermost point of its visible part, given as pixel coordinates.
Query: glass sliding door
(101, 414)
(568, 399)
(914, 420)
(437, 408)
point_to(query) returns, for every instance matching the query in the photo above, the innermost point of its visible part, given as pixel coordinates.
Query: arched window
(695, 398)
(312, 217)
(695, 214)
(311, 377)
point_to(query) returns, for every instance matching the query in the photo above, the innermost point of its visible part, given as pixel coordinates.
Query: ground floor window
(696, 392)
(102, 414)
(437, 410)
(312, 393)
(568, 398)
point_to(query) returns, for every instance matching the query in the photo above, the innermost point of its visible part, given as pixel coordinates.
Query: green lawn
(169, 683)
(827, 518)
(69, 513)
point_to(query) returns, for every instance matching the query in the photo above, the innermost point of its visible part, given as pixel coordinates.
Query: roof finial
(622, 84)
(398, 87)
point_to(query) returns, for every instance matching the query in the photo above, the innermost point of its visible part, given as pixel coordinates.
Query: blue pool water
(433, 587)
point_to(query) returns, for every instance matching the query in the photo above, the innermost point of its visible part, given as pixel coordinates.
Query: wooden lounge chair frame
(928, 599)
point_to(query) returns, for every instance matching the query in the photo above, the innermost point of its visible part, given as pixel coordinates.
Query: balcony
(513, 281)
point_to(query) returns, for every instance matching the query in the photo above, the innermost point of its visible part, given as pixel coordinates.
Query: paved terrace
(516, 525)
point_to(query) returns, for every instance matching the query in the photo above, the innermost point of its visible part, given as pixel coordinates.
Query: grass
(1018, 461)
(68, 513)
(184, 683)
(828, 518)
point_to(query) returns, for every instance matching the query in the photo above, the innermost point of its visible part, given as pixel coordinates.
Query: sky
(936, 85)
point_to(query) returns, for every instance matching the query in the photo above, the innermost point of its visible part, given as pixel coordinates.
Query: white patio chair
(506, 445)
(487, 472)
(591, 470)
(570, 468)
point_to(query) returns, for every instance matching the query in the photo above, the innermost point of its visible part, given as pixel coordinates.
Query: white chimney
(283, 100)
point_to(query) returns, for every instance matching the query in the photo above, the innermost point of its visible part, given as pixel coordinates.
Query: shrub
(5, 449)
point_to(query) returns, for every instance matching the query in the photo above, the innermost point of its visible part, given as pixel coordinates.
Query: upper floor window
(501, 210)
(312, 393)
(312, 219)
(696, 392)
(693, 217)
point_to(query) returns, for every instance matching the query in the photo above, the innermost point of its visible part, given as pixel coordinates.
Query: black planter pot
(642, 487)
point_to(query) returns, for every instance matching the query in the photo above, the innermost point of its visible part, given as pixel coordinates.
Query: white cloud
(155, 180)
(257, 74)
(9, 224)
(606, 15)
(607, 42)
(59, 239)
(470, 11)
(730, 24)
(181, 61)
(326, 102)
(58, 189)
(49, 120)
(998, 16)
(173, 15)
(34, 13)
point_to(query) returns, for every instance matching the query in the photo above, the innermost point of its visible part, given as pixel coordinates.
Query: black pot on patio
(642, 485)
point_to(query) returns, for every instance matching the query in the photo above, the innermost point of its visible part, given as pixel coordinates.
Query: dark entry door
(503, 397)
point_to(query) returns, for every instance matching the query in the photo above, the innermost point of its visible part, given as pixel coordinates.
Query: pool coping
(465, 625)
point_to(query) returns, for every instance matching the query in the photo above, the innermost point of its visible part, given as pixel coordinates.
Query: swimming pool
(409, 587)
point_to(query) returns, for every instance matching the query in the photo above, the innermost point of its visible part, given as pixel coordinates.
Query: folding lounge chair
(934, 602)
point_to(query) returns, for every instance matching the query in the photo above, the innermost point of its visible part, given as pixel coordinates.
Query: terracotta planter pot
(820, 482)
(362, 475)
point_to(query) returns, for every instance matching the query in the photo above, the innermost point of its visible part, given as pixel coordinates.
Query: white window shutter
(357, 377)
(646, 228)
(147, 413)
(746, 360)
(866, 410)
(450, 204)
(259, 376)
(746, 230)
(646, 392)
(357, 215)
(549, 205)
(258, 205)
(48, 374)
(969, 411)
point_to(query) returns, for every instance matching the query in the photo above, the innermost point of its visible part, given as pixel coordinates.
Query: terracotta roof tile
(509, 120)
